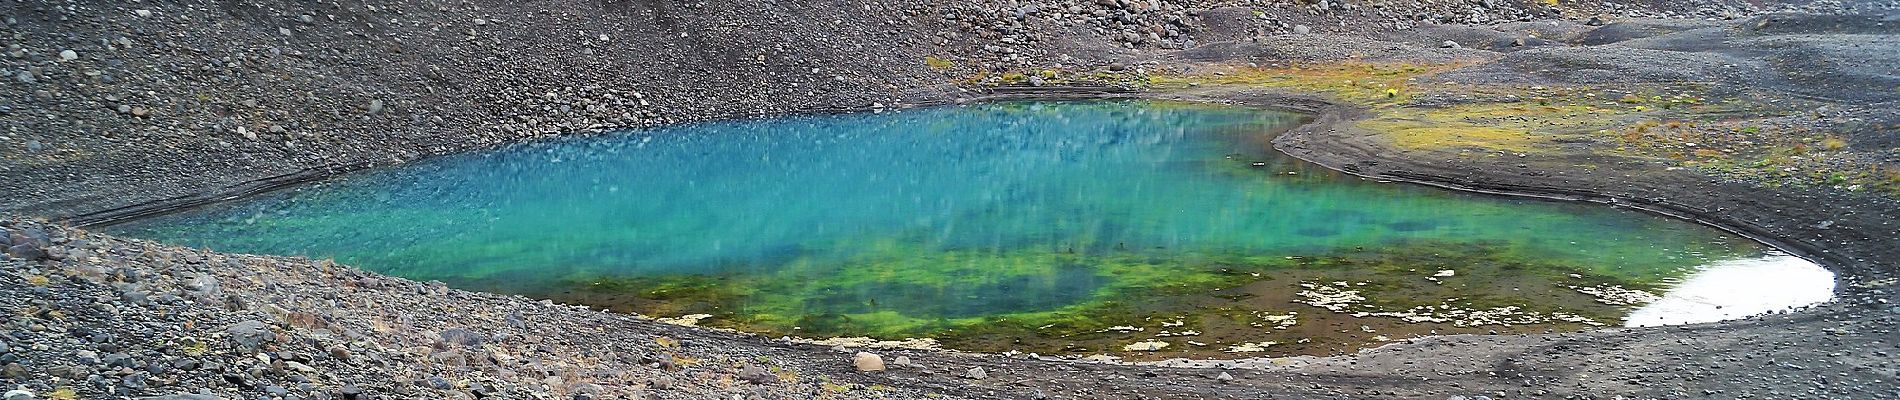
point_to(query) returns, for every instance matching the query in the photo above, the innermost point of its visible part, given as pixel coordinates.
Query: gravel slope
(199, 97)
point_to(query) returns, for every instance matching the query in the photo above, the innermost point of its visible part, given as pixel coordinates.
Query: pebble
(68, 55)
(976, 373)
(19, 394)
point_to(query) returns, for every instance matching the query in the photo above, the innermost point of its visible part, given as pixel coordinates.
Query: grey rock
(120, 360)
(1224, 377)
(463, 337)
(1450, 45)
(13, 371)
(27, 251)
(1302, 29)
(25, 77)
(139, 297)
(250, 334)
(68, 55)
(134, 381)
(757, 375)
(438, 382)
(976, 373)
(34, 146)
(187, 396)
(375, 106)
(19, 394)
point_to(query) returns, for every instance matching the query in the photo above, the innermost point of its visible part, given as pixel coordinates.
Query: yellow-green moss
(938, 63)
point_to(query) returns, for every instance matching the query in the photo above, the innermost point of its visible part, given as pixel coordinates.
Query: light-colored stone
(867, 362)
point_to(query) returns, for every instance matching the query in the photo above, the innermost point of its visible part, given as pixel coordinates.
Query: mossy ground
(1056, 302)
(1418, 113)
(1769, 141)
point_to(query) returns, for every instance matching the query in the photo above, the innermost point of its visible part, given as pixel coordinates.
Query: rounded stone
(867, 362)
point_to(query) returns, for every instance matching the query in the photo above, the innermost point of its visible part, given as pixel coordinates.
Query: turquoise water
(918, 222)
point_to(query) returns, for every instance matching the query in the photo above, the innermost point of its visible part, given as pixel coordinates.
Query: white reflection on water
(1737, 289)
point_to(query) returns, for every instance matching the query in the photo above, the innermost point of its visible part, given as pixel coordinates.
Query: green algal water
(1074, 226)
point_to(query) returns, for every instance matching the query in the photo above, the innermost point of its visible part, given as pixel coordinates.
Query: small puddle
(1136, 229)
